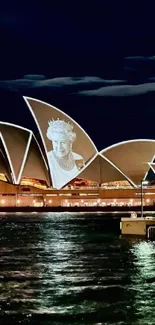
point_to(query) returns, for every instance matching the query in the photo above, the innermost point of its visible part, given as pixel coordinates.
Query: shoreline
(127, 210)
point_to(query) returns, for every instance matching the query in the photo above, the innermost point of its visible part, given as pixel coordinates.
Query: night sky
(96, 62)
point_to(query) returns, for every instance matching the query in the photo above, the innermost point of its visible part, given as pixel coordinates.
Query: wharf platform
(137, 226)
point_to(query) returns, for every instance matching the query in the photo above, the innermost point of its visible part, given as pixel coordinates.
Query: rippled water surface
(72, 269)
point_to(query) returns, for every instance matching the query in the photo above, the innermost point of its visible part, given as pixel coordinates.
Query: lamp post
(143, 182)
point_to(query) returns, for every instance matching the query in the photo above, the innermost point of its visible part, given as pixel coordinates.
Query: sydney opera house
(61, 166)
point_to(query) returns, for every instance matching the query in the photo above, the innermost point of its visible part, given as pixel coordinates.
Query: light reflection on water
(68, 269)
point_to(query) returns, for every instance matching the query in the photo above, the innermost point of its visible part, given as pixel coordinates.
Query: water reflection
(143, 280)
(66, 269)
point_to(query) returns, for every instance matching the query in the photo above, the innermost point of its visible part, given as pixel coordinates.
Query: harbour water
(68, 268)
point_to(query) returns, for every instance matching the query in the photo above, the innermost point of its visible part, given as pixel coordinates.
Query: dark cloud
(139, 58)
(135, 58)
(139, 69)
(151, 78)
(40, 81)
(34, 77)
(120, 90)
(86, 86)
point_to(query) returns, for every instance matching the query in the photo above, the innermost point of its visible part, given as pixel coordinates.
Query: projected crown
(60, 126)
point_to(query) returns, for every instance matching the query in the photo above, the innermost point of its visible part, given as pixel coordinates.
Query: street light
(143, 182)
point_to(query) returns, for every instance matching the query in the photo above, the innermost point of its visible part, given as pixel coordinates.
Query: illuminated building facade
(60, 165)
